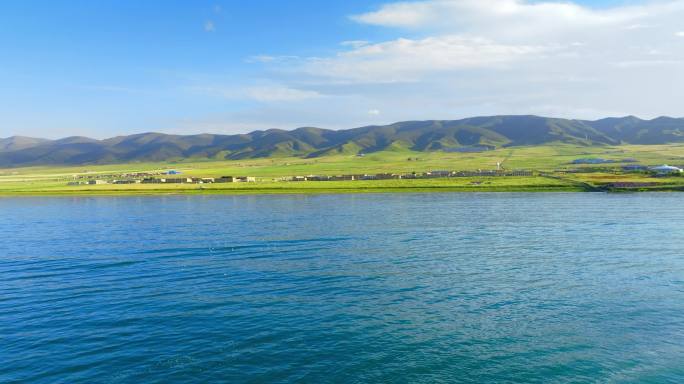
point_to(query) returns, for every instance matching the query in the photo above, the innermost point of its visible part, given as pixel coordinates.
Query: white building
(666, 170)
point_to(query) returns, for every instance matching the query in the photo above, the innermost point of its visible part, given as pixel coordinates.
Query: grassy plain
(548, 159)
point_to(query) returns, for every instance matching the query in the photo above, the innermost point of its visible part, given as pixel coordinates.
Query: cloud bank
(457, 58)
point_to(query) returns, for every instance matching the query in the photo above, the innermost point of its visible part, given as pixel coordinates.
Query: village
(149, 178)
(176, 177)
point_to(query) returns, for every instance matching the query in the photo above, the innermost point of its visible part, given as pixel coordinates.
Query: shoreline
(320, 188)
(541, 183)
(317, 191)
(286, 191)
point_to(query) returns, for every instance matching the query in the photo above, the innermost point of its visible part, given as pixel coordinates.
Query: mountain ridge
(420, 135)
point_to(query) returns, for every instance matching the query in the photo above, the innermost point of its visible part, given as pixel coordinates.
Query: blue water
(433, 288)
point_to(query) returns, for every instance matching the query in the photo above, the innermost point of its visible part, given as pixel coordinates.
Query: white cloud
(495, 35)
(209, 26)
(509, 16)
(457, 58)
(408, 60)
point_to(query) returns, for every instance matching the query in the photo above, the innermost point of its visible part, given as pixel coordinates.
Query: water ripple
(435, 288)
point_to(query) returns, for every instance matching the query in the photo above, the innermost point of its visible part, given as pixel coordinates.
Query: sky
(115, 67)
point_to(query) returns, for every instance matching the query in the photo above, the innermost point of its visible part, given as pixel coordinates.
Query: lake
(387, 288)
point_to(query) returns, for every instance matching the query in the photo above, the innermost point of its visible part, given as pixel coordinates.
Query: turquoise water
(410, 288)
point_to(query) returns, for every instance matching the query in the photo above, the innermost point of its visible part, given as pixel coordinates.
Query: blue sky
(104, 68)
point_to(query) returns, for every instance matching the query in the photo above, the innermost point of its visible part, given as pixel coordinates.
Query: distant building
(174, 172)
(230, 179)
(97, 182)
(387, 176)
(342, 178)
(631, 185)
(519, 173)
(479, 173)
(225, 179)
(436, 174)
(181, 180)
(319, 178)
(667, 170)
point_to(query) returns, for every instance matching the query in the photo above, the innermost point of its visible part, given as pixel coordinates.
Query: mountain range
(431, 135)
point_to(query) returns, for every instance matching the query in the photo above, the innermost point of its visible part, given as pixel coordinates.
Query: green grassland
(488, 184)
(546, 160)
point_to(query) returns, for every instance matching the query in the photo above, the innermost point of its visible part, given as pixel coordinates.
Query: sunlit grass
(547, 158)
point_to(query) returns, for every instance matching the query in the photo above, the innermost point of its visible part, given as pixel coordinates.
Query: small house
(343, 178)
(320, 178)
(436, 174)
(181, 180)
(224, 179)
(520, 173)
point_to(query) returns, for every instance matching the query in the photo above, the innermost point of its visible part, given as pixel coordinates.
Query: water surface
(405, 288)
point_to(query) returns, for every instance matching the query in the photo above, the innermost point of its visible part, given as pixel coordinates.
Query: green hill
(432, 135)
